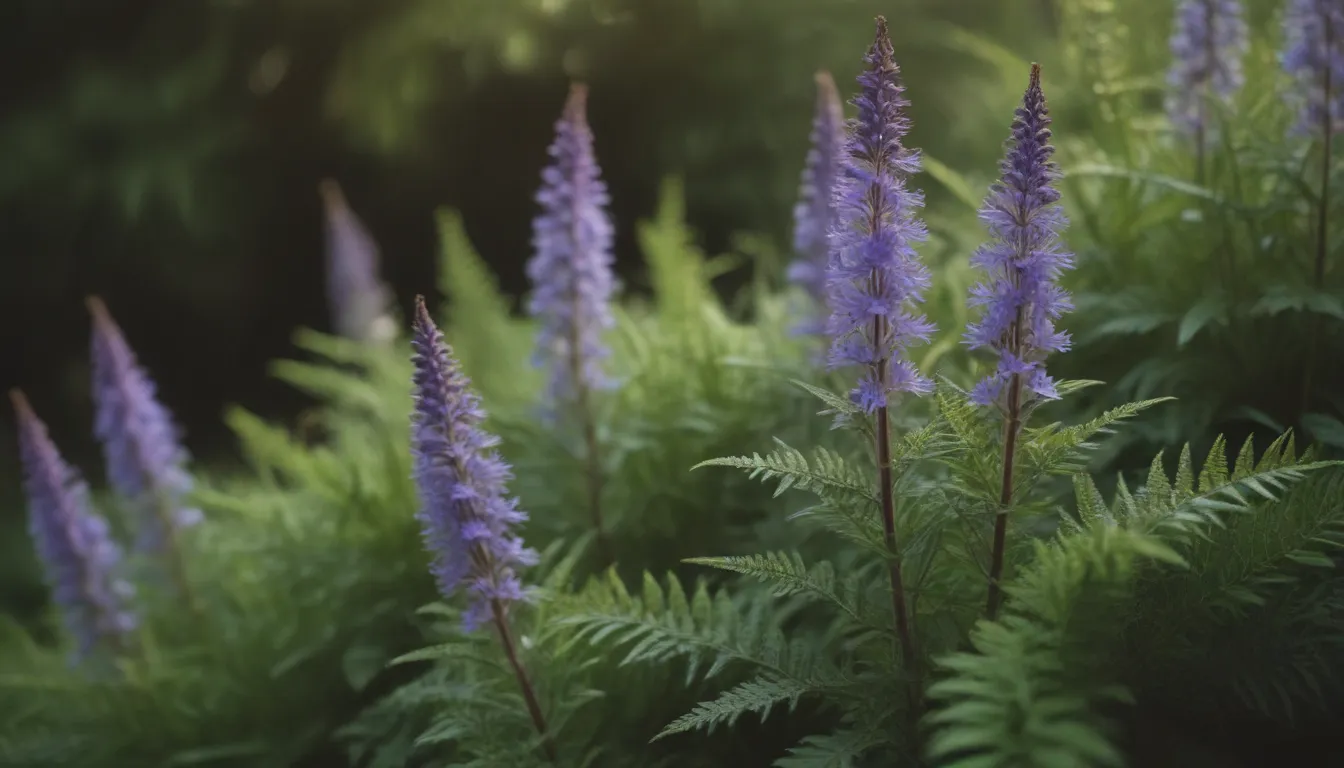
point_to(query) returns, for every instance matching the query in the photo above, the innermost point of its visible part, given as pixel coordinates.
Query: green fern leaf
(758, 695)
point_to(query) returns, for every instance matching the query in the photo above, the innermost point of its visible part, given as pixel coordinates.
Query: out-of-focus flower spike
(815, 214)
(571, 266)
(356, 296)
(76, 550)
(146, 463)
(1208, 42)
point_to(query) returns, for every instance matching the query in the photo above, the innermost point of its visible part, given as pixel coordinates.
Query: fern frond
(789, 576)
(834, 750)
(758, 695)
(828, 471)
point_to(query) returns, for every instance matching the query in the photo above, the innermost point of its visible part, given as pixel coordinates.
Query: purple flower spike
(1314, 57)
(77, 552)
(1022, 298)
(874, 272)
(571, 269)
(466, 519)
(815, 214)
(145, 462)
(1207, 46)
(357, 297)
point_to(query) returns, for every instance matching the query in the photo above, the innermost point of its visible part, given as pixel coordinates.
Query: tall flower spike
(466, 518)
(572, 286)
(74, 545)
(1314, 56)
(872, 274)
(1208, 44)
(145, 462)
(815, 214)
(1022, 298)
(357, 298)
(571, 267)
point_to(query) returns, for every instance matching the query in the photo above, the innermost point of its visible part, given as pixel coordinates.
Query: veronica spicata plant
(815, 214)
(467, 517)
(356, 296)
(146, 463)
(571, 273)
(76, 549)
(875, 276)
(1208, 44)
(1021, 298)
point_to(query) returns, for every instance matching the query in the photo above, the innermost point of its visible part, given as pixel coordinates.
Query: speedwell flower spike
(814, 215)
(146, 463)
(1208, 44)
(1314, 56)
(874, 276)
(77, 552)
(571, 266)
(466, 518)
(356, 296)
(1021, 297)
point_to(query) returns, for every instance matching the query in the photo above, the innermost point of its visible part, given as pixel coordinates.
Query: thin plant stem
(1012, 425)
(524, 683)
(592, 450)
(900, 611)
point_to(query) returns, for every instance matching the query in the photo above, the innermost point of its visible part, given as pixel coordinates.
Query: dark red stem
(529, 694)
(1012, 426)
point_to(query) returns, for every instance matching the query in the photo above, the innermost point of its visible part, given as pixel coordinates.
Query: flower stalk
(1021, 296)
(874, 279)
(571, 272)
(467, 519)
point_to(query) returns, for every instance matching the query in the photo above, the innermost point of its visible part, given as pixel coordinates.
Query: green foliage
(302, 577)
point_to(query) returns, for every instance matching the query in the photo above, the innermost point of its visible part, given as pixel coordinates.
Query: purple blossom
(1021, 298)
(815, 214)
(466, 519)
(357, 298)
(1314, 56)
(571, 268)
(74, 544)
(145, 462)
(874, 271)
(1207, 46)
